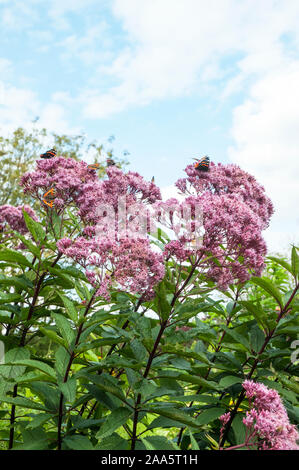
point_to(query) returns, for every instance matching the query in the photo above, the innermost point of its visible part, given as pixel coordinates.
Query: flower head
(267, 419)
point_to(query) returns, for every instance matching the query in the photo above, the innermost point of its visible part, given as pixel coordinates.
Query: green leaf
(12, 371)
(257, 338)
(64, 327)
(107, 387)
(53, 336)
(10, 298)
(269, 287)
(69, 389)
(34, 439)
(24, 403)
(163, 422)
(70, 307)
(31, 246)
(193, 379)
(209, 415)
(172, 413)
(161, 302)
(194, 445)
(237, 337)
(14, 257)
(230, 380)
(77, 442)
(115, 420)
(290, 384)
(239, 428)
(36, 365)
(62, 357)
(34, 227)
(295, 262)
(159, 443)
(113, 442)
(38, 420)
(18, 282)
(258, 313)
(282, 263)
(57, 225)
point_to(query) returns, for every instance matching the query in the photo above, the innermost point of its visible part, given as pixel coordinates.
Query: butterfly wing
(203, 164)
(49, 154)
(110, 162)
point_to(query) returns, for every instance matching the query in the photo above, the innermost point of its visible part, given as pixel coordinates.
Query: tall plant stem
(146, 372)
(68, 368)
(22, 343)
(219, 346)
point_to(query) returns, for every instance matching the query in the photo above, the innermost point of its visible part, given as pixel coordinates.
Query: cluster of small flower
(224, 208)
(267, 423)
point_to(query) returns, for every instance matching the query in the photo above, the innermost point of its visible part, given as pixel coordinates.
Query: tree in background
(20, 150)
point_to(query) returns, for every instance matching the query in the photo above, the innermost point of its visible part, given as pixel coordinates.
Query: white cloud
(266, 134)
(174, 47)
(87, 48)
(18, 15)
(19, 106)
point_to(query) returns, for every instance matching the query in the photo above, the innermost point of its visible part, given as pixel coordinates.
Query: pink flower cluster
(234, 210)
(13, 217)
(109, 259)
(75, 183)
(267, 423)
(268, 418)
(229, 179)
(127, 264)
(69, 178)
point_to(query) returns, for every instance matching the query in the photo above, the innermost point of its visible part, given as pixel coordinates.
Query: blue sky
(170, 79)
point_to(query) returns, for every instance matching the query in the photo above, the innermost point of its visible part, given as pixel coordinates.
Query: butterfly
(93, 166)
(110, 162)
(202, 164)
(51, 197)
(49, 154)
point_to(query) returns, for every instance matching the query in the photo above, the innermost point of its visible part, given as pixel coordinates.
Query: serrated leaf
(34, 227)
(115, 420)
(31, 246)
(24, 403)
(194, 445)
(77, 442)
(14, 257)
(70, 307)
(69, 389)
(269, 287)
(257, 311)
(295, 262)
(12, 371)
(53, 336)
(36, 365)
(159, 443)
(282, 263)
(230, 380)
(113, 442)
(209, 415)
(173, 413)
(38, 420)
(237, 337)
(64, 328)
